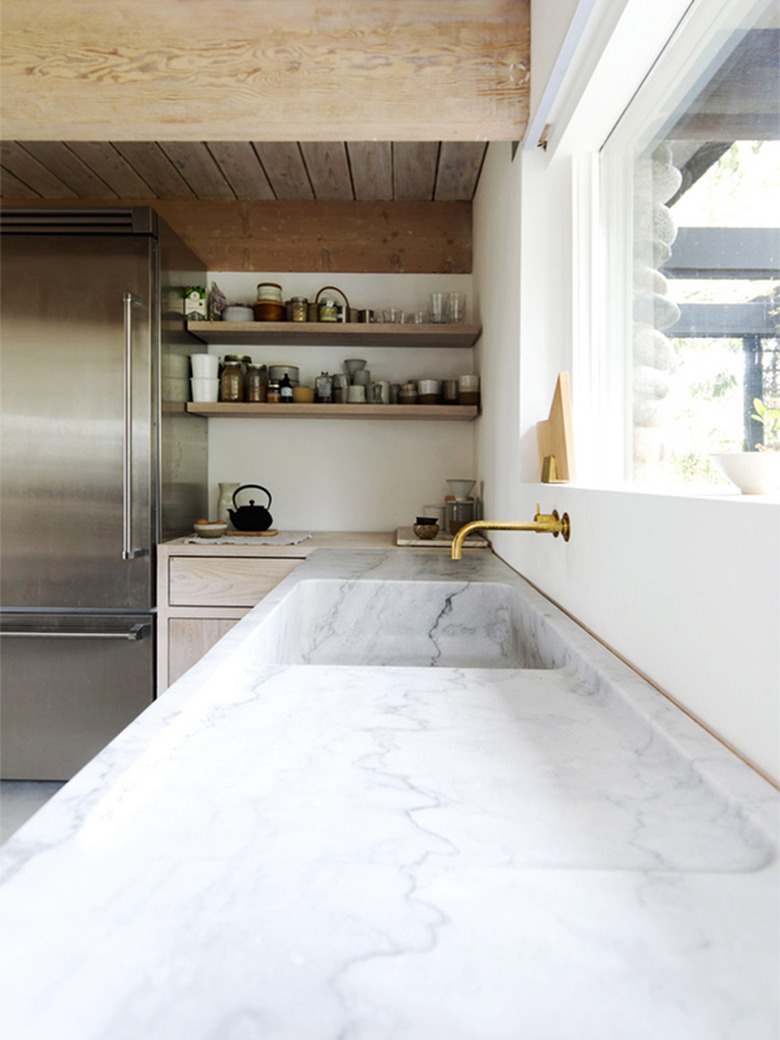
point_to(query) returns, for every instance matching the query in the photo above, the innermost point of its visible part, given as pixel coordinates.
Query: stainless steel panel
(183, 463)
(62, 356)
(70, 684)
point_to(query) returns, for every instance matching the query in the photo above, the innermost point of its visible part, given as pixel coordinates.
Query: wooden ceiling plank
(372, 169)
(458, 172)
(197, 166)
(285, 169)
(18, 161)
(414, 170)
(12, 188)
(328, 169)
(155, 168)
(106, 162)
(69, 168)
(241, 169)
(371, 70)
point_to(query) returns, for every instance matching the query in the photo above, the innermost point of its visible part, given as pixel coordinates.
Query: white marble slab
(341, 851)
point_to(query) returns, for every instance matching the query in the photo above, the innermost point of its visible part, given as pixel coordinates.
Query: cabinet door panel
(235, 581)
(190, 638)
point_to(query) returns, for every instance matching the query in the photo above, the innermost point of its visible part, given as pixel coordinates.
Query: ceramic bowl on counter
(210, 528)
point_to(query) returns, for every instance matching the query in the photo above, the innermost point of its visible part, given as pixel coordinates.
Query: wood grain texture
(392, 237)
(224, 582)
(106, 162)
(326, 162)
(285, 169)
(414, 169)
(26, 168)
(198, 168)
(302, 70)
(458, 167)
(241, 167)
(371, 163)
(155, 168)
(12, 187)
(71, 170)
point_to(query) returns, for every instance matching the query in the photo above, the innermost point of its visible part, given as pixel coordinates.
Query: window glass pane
(705, 243)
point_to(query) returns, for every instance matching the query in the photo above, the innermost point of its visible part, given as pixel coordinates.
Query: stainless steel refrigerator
(96, 469)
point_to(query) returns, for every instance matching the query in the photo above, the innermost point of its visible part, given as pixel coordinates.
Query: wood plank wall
(379, 237)
(316, 70)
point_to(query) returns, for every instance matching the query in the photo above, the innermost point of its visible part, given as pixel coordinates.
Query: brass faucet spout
(542, 523)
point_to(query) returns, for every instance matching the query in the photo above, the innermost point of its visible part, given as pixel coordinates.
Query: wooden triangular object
(555, 437)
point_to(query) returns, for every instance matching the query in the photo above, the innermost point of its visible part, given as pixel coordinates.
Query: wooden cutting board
(252, 534)
(555, 436)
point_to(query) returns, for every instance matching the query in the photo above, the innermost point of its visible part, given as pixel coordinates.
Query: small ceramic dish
(427, 530)
(210, 529)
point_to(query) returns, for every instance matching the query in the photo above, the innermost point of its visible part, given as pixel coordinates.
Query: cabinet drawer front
(234, 581)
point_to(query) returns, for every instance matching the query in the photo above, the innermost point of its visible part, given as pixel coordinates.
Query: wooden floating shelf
(322, 334)
(246, 410)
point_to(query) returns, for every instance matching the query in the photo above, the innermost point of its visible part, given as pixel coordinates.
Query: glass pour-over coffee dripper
(460, 510)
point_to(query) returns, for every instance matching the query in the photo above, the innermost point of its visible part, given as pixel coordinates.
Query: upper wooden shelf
(322, 334)
(246, 410)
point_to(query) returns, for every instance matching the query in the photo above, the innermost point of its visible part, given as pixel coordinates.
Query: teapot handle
(245, 486)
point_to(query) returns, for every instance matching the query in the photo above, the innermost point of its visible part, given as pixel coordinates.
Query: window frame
(602, 245)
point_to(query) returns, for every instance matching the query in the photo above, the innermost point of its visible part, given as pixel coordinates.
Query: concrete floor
(19, 799)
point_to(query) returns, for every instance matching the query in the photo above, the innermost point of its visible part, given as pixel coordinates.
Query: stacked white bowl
(205, 377)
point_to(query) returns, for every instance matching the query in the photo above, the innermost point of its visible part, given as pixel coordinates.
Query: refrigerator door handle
(129, 552)
(135, 632)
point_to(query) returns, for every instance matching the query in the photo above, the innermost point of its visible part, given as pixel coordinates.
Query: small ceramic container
(426, 531)
(213, 529)
(237, 313)
(204, 366)
(204, 389)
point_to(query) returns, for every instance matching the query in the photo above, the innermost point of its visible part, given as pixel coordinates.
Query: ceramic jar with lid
(408, 393)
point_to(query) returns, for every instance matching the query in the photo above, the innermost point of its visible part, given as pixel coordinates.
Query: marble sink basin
(417, 624)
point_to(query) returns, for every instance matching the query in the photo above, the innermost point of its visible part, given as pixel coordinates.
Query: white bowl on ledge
(753, 472)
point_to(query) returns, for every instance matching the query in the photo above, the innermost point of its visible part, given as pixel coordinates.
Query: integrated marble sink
(419, 624)
(472, 848)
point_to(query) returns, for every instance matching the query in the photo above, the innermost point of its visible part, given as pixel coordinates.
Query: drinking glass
(439, 307)
(457, 301)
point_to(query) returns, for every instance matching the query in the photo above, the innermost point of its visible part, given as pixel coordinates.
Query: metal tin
(328, 311)
(299, 308)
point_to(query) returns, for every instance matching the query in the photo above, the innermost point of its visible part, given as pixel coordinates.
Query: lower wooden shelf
(246, 410)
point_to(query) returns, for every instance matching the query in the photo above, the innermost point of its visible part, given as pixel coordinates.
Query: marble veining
(369, 844)
(405, 623)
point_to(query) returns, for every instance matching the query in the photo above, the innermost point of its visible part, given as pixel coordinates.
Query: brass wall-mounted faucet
(542, 523)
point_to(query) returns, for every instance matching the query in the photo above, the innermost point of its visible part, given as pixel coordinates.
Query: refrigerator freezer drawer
(70, 684)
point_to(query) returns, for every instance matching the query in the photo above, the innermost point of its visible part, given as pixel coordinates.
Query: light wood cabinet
(188, 639)
(200, 598)
(203, 590)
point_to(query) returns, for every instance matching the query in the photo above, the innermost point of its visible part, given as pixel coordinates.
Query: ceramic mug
(380, 392)
(356, 394)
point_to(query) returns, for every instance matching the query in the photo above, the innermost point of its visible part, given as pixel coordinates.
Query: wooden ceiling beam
(311, 70)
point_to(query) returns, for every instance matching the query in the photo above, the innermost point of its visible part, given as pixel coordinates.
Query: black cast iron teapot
(251, 517)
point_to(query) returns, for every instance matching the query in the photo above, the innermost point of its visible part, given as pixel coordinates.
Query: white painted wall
(686, 589)
(368, 475)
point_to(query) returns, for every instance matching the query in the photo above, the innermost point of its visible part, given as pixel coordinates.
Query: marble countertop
(307, 851)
